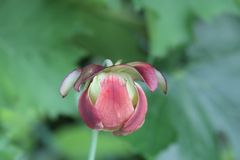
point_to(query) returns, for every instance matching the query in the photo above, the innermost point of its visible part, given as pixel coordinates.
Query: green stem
(93, 147)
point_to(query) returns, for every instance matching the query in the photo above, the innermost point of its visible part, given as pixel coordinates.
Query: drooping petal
(137, 118)
(88, 72)
(162, 81)
(148, 74)
(113, 103)
(88, 112)
(69, 81)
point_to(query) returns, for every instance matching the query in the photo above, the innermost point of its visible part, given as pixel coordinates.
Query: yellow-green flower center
(95, 86)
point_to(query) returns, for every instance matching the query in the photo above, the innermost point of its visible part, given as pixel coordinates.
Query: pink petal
(88, 112)
(88, 72)
(69, 81)
(162, 81)
(114, 104)
(148, 74)
(137, 118)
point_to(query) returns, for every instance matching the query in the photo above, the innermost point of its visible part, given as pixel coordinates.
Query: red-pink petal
(137, 118)
(69, 81)
(88, 112)
(114, 105)
(148, 74)
(88, 72)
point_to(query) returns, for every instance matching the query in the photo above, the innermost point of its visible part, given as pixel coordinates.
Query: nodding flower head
(111, 99)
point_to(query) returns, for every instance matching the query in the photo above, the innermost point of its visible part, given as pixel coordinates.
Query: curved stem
(93, 147)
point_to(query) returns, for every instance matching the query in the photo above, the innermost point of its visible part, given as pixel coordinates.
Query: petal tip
(77, 89)
(164, 88)
(147, 73)
(99, 126)
(162, 81)
(63, 96)
(117, 133)
(68, 82)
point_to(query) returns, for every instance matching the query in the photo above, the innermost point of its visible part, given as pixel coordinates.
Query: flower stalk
(93, 147)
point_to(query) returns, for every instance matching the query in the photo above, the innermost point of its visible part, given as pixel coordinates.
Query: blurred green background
(195, 43)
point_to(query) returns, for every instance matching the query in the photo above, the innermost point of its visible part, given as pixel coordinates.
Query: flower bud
(111, 99)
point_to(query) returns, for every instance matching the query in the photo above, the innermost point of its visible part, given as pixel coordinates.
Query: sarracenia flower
(111, 99)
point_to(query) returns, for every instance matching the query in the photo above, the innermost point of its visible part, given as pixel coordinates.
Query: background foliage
(196, 44)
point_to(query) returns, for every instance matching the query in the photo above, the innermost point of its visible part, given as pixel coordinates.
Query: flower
(111, 99)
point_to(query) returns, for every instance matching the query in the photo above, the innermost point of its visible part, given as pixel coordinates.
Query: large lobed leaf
(169, 21)
(203, 98)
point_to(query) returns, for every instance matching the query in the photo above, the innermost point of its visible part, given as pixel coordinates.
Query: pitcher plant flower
(111, 99)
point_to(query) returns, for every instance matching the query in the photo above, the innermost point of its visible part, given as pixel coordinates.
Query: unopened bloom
(111, 99)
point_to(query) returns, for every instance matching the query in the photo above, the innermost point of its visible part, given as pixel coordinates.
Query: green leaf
(168, 20)
(10, 152)
(33, 57)
(74, 143)
(203, 97)
(41, 41)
